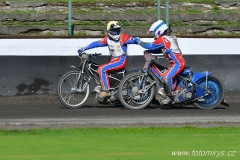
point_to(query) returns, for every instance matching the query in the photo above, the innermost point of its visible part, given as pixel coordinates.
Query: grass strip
(116, 1)
(122, 22)
(121, 143)
(110, 1)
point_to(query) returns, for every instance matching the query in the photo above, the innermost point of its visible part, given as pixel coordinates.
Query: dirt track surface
(45, 111)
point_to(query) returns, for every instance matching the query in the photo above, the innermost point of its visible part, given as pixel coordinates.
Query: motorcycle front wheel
(133, 97)
(73, 93)
(215, 97)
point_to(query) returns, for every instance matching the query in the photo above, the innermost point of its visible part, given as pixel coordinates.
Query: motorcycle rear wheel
(216, 88)
(129, 85)
(68, 92)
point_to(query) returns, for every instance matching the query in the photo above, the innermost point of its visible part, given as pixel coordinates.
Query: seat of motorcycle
(159, 66)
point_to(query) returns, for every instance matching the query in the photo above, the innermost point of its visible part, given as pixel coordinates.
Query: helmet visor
(152, 32)
(115, 31)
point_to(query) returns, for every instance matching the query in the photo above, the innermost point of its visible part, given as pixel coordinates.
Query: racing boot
(104, 94)
(162, 92)
(167, 100)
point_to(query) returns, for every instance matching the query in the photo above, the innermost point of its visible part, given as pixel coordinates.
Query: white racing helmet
(114, 30)
(158, 28)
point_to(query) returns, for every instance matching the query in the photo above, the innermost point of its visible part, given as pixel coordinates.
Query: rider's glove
(136, 40)
(80, 50)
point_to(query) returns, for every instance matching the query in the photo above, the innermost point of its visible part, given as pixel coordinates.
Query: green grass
(127, 11)
(64, 23)
(121, 143)
(114, 1)
(117, 1)
(122, 22)
(80, 1)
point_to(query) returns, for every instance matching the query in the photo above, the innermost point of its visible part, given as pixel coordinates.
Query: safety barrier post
(167, 12)
(159, 11)
(70, 17)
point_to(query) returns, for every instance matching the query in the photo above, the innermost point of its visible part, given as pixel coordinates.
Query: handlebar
(89, 54)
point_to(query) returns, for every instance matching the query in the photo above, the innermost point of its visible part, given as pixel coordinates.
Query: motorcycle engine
(114, 96)
(100, 100)
(185, 94)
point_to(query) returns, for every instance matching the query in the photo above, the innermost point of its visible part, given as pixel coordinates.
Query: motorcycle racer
(117, 44)
(167, 44)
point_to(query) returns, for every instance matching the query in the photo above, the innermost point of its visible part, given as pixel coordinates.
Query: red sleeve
(125, 37)
(158, 41)
(104, 40)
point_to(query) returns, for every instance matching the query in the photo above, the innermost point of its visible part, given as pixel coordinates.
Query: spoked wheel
(130, 93)
(216, 88)
(71, 93)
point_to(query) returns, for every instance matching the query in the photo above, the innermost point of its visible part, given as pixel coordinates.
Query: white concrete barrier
(69, 47)
(33, 66)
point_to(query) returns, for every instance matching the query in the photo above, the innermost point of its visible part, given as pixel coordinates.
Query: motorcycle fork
(78, 83)
(142, 83)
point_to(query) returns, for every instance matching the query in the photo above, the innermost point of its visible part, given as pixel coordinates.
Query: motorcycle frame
(85, 69)
(194, 78)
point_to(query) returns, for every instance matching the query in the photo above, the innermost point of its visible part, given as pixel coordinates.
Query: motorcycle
(204, 90)
(74, 86)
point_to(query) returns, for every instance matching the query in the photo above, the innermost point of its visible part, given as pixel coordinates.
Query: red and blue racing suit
(118, 51)
(169, 46)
